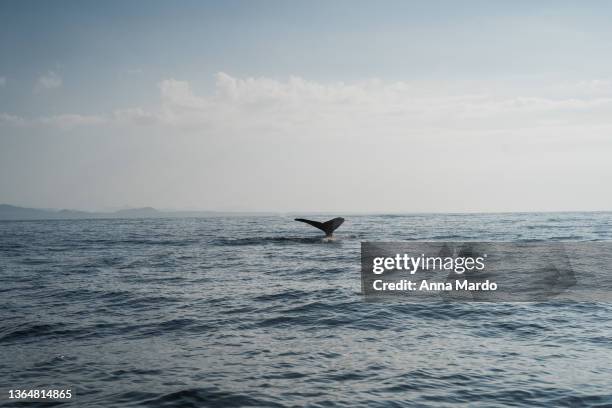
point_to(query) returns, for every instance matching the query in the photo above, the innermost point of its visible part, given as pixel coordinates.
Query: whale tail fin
(328, 226)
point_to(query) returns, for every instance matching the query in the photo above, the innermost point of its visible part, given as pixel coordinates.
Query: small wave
(567, 238)
(141, 241)
(34, 262)
(209, 397)
(184, 326)
(270, 240)
(449, 237)
(34, 331)
(283, 296)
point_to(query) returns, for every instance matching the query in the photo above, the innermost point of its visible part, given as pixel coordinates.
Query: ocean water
(260, 311)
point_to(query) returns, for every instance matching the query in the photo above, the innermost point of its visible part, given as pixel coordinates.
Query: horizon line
(321, 212)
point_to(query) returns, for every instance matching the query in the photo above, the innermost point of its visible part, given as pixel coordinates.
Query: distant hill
(11, 212)
(143, 212)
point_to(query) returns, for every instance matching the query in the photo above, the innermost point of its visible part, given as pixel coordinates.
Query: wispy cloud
(2, 81)
(298, 106)
(65, 121)
(383, 106)
(49, 80)
(11, 120)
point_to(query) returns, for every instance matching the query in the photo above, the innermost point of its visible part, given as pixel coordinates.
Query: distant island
(15, 213)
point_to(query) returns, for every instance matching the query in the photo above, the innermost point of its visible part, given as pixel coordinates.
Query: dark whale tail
(328, 226)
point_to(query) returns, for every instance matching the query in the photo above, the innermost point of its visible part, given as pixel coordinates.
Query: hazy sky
(307, 106)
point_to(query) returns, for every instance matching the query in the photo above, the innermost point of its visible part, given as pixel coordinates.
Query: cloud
(11, 120)
(69, 121)
(2, 81)
(385, 107)
(49, 80)
(178, 94)
(592, 86)
(297, 107)
(137, 116)
(65, 121)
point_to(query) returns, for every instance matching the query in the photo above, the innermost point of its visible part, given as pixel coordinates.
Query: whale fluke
(328, 226)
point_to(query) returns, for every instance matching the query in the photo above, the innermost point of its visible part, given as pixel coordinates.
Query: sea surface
(261, 311)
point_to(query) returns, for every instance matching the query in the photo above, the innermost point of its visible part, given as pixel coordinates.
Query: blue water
(260, 311)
